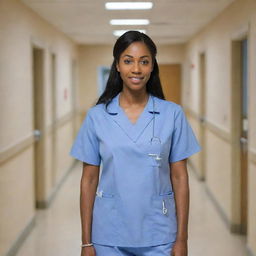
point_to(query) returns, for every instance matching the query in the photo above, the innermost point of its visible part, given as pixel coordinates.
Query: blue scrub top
(134, 205)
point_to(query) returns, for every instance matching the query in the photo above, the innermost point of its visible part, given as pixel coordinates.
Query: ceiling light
(121, 32)
(128, 5)
(129, 22)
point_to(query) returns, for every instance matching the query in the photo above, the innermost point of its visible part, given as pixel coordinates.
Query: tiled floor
(57, 230)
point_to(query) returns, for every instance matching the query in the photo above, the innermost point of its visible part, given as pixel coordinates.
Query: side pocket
(163, 217)
(104, 217)
(164, 211)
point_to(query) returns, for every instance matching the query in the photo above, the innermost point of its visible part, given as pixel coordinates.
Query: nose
(136, 68)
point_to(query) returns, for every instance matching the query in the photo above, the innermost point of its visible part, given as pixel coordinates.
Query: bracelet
(86, 245)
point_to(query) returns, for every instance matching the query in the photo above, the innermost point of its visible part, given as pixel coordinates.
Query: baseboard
(21, 238)
(222, 214)
(47, 203)
(234, 228)
(42, 205)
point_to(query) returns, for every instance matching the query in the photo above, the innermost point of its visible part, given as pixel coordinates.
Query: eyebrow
(145, 56)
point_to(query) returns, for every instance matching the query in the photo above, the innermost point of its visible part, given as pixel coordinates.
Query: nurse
(138, 205)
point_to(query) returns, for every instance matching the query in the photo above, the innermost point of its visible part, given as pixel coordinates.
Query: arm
(88, 187)
(179, 178)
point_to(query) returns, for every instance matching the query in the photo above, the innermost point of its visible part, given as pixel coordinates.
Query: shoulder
(95, 110)
(93, 113)
(168, 106)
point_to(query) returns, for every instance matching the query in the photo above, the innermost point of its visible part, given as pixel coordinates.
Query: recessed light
(120, 32)
(129, 22)
(128, 5)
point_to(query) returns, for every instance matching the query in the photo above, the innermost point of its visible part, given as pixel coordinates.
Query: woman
(140, 205)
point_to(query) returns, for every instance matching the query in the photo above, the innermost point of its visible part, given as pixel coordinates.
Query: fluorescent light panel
(121, 32)
(128, 5)
(129, 22)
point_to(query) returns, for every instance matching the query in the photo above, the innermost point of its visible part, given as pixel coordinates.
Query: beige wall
(20, 29)
(215, 40)
(170, 54)
(91, 57)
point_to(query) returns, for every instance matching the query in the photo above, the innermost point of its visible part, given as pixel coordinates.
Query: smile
(136, 79)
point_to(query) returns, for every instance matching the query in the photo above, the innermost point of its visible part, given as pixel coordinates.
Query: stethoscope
(154, 139)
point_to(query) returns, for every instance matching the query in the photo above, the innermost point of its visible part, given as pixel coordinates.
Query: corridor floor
(57, 229)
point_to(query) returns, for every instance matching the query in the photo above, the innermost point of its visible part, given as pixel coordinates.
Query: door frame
(53, 74)
(235, 108)
(38, 94)
(202, 114)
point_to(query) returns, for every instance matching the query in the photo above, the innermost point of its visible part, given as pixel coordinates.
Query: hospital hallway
(55, 61)
(57, 230)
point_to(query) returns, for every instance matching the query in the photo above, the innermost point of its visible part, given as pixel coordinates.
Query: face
(135, 66)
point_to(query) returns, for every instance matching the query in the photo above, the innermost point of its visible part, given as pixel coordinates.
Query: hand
(180, 248)
(88, 251)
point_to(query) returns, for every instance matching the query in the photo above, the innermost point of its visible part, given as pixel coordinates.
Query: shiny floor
(57, 229)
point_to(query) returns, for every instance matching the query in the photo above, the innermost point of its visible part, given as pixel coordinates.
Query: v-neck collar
(133, 131)
(141, 113)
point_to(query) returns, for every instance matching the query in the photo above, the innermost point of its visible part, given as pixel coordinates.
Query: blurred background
(55, 58)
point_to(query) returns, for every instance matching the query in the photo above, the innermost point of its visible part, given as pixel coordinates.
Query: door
(170, 75)
(244, 135)
(239, 131)
(37, 73)
(54, 119)
(202, 81)
(74, 97)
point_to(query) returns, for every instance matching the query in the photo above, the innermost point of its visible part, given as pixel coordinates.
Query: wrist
(84, 245)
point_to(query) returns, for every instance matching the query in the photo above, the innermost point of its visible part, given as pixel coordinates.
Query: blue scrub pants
(159, 250)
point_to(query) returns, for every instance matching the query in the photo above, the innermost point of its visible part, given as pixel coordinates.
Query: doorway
(38, 117)
(170, 76)
(244, 135)
(54, 118)
(240, 133)
(202, 107)
(74, 96)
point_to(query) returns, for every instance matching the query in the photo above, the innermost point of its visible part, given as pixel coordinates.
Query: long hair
(115, 82)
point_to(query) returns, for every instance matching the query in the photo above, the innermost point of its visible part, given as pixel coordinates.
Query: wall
(21, 29)
(91, 57)
(215, 40)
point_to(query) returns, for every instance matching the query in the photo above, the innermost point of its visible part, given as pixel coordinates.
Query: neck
(129, 98)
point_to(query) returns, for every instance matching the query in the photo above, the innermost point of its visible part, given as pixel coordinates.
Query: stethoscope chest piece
(155, 148)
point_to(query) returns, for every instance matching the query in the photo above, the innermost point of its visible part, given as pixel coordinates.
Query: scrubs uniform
(134, 205)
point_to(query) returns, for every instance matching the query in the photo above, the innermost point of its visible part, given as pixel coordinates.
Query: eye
(127, 61)
(145, 62)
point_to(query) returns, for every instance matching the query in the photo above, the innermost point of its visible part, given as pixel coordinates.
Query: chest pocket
(156, 153)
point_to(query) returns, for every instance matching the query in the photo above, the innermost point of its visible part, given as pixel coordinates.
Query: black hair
(115, 82)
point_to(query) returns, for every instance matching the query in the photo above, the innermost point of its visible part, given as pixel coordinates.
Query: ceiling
(87, 21)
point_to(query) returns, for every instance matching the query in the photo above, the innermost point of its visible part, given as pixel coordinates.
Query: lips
(136, 79)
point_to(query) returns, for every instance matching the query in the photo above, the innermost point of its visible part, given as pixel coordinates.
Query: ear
(117, 67)
(152, 68)
(153, 65)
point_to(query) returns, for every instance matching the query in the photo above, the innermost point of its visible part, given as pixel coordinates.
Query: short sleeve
(184, 142)
(86, 145)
